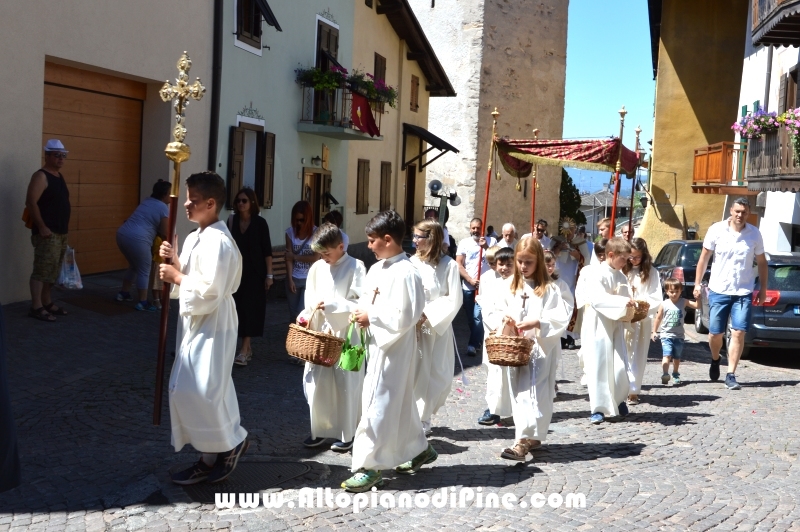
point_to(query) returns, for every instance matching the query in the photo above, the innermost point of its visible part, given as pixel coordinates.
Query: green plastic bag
(353, 355)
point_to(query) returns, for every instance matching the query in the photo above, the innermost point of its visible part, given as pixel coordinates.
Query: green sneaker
(412, 466)
(676, 378)
(363, 480)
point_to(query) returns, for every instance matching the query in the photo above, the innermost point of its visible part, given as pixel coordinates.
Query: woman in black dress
(251, 233)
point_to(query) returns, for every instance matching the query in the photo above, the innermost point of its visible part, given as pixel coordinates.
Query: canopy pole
(622, 113)
(638, 131)
(495, 114)
(533, 188)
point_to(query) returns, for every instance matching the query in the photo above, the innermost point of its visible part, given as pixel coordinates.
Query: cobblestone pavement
(689, 457)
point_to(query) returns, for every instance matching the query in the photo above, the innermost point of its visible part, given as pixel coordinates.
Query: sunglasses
(57, 154)
(242, 200)
(419, 237)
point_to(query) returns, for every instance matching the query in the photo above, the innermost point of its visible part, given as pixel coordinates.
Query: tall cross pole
(622, 113)
(638, 131)
(534, 186)
(177, 152)
(495, 114)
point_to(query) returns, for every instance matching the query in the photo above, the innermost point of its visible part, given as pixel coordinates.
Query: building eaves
(408, 28)
(654, 12)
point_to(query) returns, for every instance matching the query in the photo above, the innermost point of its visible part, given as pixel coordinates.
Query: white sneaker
(426, 428)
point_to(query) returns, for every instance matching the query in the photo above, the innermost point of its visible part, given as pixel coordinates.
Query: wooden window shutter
(326, 155)
(782, 94)
(386, 186)
(327, 41)
(362, 187)
(380, 67)
(235, 163)
(267, 184)
(414, 93)
(325, 195)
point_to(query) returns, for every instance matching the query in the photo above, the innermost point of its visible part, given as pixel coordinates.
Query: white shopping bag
(70, 277)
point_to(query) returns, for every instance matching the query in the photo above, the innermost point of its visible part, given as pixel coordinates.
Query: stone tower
(509, 54)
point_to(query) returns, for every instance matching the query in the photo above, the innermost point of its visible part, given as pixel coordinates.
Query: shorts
(47, 256)
(721, 306)
(672, 347)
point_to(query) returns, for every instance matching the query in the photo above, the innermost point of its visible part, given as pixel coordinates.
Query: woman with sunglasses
(251, 234)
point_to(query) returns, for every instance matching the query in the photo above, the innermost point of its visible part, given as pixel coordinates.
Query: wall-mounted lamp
(691, 231)
(316, 160)
(643, 201)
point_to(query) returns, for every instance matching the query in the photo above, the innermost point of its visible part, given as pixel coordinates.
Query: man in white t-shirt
(540, 234)
(469, 249)
(509, 236)
(735, 245)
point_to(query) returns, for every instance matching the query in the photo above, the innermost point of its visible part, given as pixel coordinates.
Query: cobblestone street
(689, 457)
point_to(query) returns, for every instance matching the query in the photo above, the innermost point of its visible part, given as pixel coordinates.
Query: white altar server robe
(390, 431)
(605, 356)
(585, 279)
(492, 298)
(532, 390)
(433, 378)
(568, 300)
(639, 332)
(204, 411)
(333, 394)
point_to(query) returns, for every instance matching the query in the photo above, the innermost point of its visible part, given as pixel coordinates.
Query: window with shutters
(788, 95)
(362, 187)
(414, 93)
(248, 22)
(379, 71)
(386, 186)
(251, 163)
(327, 45)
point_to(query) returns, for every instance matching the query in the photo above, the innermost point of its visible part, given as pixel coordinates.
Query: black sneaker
(313, 442)
(488, 418)
(342, 446)
(197, 473)
(623, 409)
(713, 371)
(226, 462)
(730, 382)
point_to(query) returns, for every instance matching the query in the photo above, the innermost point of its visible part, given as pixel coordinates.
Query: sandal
(518, 452)
(41, 314)
(54, 310)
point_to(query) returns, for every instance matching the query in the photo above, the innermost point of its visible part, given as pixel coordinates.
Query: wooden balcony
(771, 165)
(720, 169)
(776, 22)
(327, 113)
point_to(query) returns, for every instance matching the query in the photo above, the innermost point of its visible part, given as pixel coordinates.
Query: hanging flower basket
(753, 125)
(791, 121)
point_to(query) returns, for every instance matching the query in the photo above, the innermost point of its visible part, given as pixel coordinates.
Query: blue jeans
(721, 306)
(475, 319)
(296, 301)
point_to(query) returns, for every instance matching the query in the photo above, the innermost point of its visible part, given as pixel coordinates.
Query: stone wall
(506, 54)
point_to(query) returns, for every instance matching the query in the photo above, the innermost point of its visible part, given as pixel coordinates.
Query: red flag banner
(361, 116)
(519, 155)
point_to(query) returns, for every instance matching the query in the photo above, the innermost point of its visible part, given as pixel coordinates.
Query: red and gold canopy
(519, 155)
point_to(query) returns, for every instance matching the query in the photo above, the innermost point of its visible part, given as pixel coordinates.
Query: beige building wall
(697, 91)
(139, 40)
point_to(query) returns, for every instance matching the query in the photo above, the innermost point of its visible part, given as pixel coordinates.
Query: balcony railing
(328, 112)
(771, 164)
(776, 22)
(719, 165)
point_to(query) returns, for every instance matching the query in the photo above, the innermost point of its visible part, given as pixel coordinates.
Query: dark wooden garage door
(99, 119)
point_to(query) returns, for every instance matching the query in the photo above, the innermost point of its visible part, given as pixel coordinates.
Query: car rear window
(691, 256)
(784, 278)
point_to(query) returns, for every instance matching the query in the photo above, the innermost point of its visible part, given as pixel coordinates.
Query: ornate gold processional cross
(177, 152)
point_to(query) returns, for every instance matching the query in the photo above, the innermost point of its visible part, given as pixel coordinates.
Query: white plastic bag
(70, 277)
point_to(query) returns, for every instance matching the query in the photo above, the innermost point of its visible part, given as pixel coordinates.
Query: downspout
(216, 83)
(769, 79)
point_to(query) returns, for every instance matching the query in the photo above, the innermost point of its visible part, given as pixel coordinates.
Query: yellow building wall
(697, 92)
(374, 34)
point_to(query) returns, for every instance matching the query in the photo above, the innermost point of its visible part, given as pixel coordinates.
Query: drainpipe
(216, 82)
(769, 78)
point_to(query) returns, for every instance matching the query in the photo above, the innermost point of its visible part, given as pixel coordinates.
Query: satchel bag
(353, 355)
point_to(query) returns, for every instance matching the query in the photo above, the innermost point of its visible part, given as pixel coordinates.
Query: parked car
(678, 259)
(777, 323)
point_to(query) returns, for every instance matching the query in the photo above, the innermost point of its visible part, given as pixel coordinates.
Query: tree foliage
(570, 199)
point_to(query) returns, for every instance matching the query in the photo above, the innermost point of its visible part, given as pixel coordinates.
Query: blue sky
(608, 65)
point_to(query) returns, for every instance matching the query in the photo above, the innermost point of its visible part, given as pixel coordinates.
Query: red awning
(519, 155)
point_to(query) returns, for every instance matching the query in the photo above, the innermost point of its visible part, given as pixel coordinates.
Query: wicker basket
(316, 347)
(637, 312)
(508, 350)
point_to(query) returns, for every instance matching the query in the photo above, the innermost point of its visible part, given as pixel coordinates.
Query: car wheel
(699, 326)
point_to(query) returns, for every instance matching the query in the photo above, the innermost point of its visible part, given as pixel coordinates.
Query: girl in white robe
(605, 357)
(534, 306)
(442, 284)
(646, 286)
(333, 287)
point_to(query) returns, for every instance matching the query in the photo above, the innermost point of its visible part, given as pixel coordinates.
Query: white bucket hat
(55, 145)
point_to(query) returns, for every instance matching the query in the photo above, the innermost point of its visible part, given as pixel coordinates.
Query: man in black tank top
(49, 208)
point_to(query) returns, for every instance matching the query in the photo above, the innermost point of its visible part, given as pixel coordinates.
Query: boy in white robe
(490, 297)
(644, 287)
(534, 306)
(203, 407)
(390, 432)
(333, 287)
(441, 282)
(605, 352)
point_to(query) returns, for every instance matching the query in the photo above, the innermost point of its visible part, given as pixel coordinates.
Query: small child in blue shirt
(669, 326)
